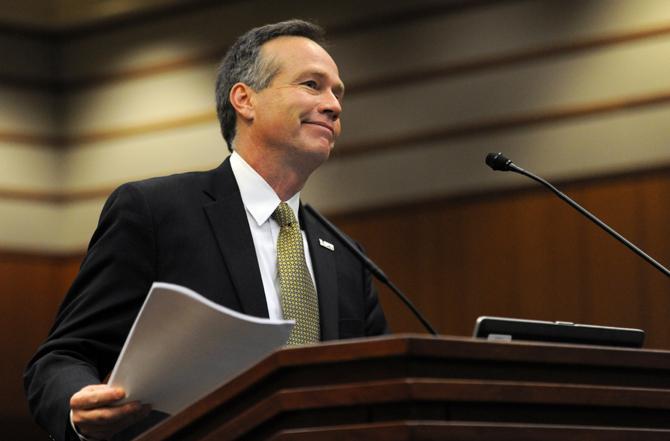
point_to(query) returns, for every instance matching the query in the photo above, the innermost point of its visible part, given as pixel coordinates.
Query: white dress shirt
(260, 201)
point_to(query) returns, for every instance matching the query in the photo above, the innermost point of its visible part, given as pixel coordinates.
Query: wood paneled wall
(32, 287)
(524, 253)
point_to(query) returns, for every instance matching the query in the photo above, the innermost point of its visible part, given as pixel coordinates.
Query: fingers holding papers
(97, 413)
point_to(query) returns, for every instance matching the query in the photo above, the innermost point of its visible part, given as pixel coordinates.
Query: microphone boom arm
(500, 162)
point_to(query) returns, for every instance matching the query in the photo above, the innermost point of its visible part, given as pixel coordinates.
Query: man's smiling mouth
(322, 124)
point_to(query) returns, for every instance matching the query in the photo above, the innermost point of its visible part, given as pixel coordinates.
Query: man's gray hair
(243, 63)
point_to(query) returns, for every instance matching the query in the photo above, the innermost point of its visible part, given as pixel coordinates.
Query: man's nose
(331, 105)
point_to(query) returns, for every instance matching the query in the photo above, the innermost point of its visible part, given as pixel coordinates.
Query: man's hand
(96, 416)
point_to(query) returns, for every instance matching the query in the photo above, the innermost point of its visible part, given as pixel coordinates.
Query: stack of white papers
(183, 346)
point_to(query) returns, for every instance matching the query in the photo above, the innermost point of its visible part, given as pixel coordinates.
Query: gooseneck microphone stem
(370, 265)
(499, 162)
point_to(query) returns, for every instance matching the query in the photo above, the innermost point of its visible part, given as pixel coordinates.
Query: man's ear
(241, 98)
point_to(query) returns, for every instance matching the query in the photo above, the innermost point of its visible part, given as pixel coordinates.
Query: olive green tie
(297, 294)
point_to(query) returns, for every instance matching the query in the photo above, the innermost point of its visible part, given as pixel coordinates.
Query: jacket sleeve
(96, 313)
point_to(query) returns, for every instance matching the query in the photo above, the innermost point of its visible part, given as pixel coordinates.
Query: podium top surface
(433, 369)
(424, 345)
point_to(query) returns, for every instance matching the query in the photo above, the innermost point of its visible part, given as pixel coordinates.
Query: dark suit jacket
(190, 229)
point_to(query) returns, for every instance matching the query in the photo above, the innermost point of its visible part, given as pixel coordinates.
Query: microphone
(498, 162)
(370, 265)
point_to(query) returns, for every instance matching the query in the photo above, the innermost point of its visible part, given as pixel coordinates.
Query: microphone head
(498, 161)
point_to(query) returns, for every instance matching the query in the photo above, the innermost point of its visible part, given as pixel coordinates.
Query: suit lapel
(228, 221)
(325, 273)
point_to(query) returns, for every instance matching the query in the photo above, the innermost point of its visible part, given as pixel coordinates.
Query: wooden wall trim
(567, 185)
(16, 254)
(462, 67)
(35, 139)
(484, 127)
(96, 80)
(363, 86)
(504, 60)
(477, 127)
(108, 134)
(215, 54)
(490, 126)
(55, 197)
(408, 15)
(141, 129)
(141, 18)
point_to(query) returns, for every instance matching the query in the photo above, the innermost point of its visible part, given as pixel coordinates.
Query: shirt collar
(259, 199)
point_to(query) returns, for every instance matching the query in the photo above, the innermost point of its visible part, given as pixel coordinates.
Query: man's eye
(311, 84)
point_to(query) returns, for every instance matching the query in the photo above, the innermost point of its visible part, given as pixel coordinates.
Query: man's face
(299, 112)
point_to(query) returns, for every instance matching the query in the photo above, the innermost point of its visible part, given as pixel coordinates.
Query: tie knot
(283, 215)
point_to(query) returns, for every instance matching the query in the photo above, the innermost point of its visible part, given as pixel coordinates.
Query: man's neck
(284, 179)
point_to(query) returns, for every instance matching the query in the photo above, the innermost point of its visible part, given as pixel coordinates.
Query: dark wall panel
(32, 287)
(524, 253)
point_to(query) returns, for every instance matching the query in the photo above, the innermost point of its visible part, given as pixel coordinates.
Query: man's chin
(322, 147)
(316, 155)
(327, 150)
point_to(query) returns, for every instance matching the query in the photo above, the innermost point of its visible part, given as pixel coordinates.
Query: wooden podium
(415, 387)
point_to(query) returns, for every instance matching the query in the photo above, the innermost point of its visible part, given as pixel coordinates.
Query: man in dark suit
(279, 101)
